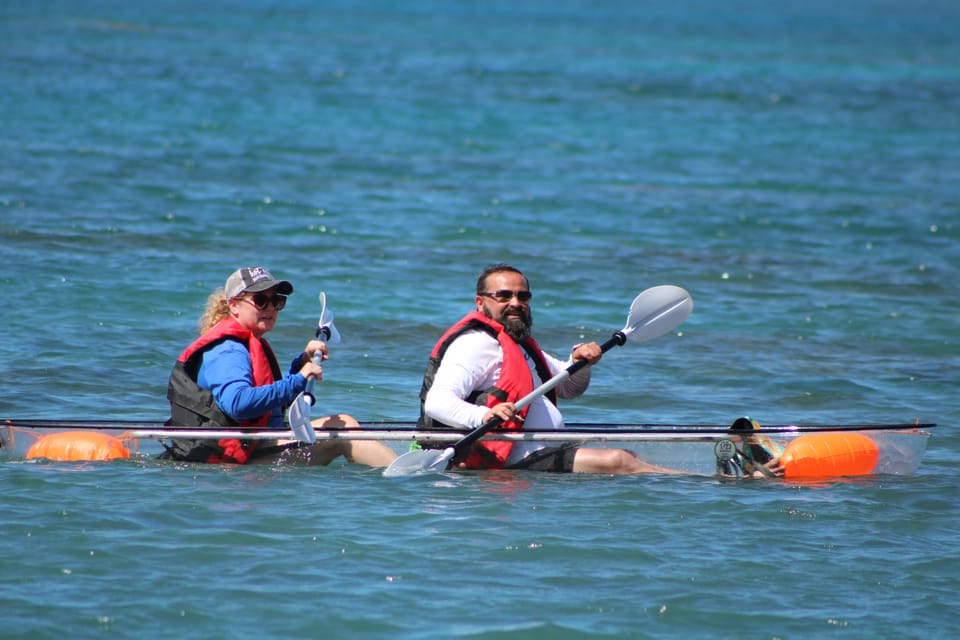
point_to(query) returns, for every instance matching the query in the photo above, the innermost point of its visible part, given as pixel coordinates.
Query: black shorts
(195, 450)
(554, 459)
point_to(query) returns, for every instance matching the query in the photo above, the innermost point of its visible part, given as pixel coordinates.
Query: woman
(229, 376)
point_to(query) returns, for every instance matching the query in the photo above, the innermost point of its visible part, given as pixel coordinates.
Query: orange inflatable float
(78, 445)
(832, 454)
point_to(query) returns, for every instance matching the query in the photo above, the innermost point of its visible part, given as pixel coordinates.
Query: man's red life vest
(192, 405)
(515, 381)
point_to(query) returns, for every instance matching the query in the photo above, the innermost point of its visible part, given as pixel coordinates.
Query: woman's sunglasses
(261, 300)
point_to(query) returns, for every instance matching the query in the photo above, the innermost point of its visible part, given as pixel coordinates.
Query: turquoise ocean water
(793, 165)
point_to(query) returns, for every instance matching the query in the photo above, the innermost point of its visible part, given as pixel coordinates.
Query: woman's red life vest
(515, 381)
(195, 406)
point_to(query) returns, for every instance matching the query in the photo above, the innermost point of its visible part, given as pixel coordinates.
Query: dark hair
(496, 268)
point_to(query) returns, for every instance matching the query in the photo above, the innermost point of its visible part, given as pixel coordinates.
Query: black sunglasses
(261, 300)
(506, 295)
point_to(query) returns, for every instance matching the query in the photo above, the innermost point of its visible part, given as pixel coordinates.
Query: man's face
(513, 314)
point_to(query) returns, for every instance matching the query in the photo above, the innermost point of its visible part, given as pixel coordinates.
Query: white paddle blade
(657, 311)
(298, 415)
(422, 461)
(330, 331)
(327, 329)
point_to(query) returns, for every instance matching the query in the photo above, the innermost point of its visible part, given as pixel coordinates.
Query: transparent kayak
(702, 449)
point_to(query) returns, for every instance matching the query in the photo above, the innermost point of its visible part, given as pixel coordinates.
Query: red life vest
(266, 371)
(515, 381)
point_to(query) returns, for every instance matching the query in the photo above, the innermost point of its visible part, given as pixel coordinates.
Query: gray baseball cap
(254, 279)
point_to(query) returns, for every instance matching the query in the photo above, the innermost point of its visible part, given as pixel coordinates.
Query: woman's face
(246, 309)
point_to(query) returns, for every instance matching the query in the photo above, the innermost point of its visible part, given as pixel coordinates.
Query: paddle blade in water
(423, 461)
(299, 418)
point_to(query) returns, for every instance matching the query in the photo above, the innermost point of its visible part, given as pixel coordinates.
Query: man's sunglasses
(261, 300)
(506, 295)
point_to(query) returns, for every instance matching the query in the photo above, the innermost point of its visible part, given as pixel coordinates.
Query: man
(489, 360)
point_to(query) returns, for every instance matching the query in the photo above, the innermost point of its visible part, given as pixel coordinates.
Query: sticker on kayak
(724, 450)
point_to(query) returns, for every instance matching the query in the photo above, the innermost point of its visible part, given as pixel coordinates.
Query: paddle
(652, 313)
(298, 415)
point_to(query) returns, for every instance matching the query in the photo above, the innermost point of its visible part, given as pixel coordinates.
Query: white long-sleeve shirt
(472, 363)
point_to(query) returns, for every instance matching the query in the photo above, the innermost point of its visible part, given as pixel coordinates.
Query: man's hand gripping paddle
(653, 313)
(298, 415)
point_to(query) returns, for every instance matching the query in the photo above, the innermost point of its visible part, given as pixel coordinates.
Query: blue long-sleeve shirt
(226, 370)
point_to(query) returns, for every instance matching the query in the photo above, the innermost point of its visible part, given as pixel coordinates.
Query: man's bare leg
(613, 461)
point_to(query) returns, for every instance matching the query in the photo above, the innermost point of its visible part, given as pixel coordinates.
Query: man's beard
(518, 328)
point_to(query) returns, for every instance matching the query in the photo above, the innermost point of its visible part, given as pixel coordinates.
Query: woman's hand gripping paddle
(298, 415)
(653, 313)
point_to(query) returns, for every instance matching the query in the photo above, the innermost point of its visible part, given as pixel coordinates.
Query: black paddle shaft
(618, 338)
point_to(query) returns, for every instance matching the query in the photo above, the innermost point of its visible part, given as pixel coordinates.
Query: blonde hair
(217, 309)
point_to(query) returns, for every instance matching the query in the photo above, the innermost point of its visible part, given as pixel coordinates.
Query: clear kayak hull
(870, 449)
